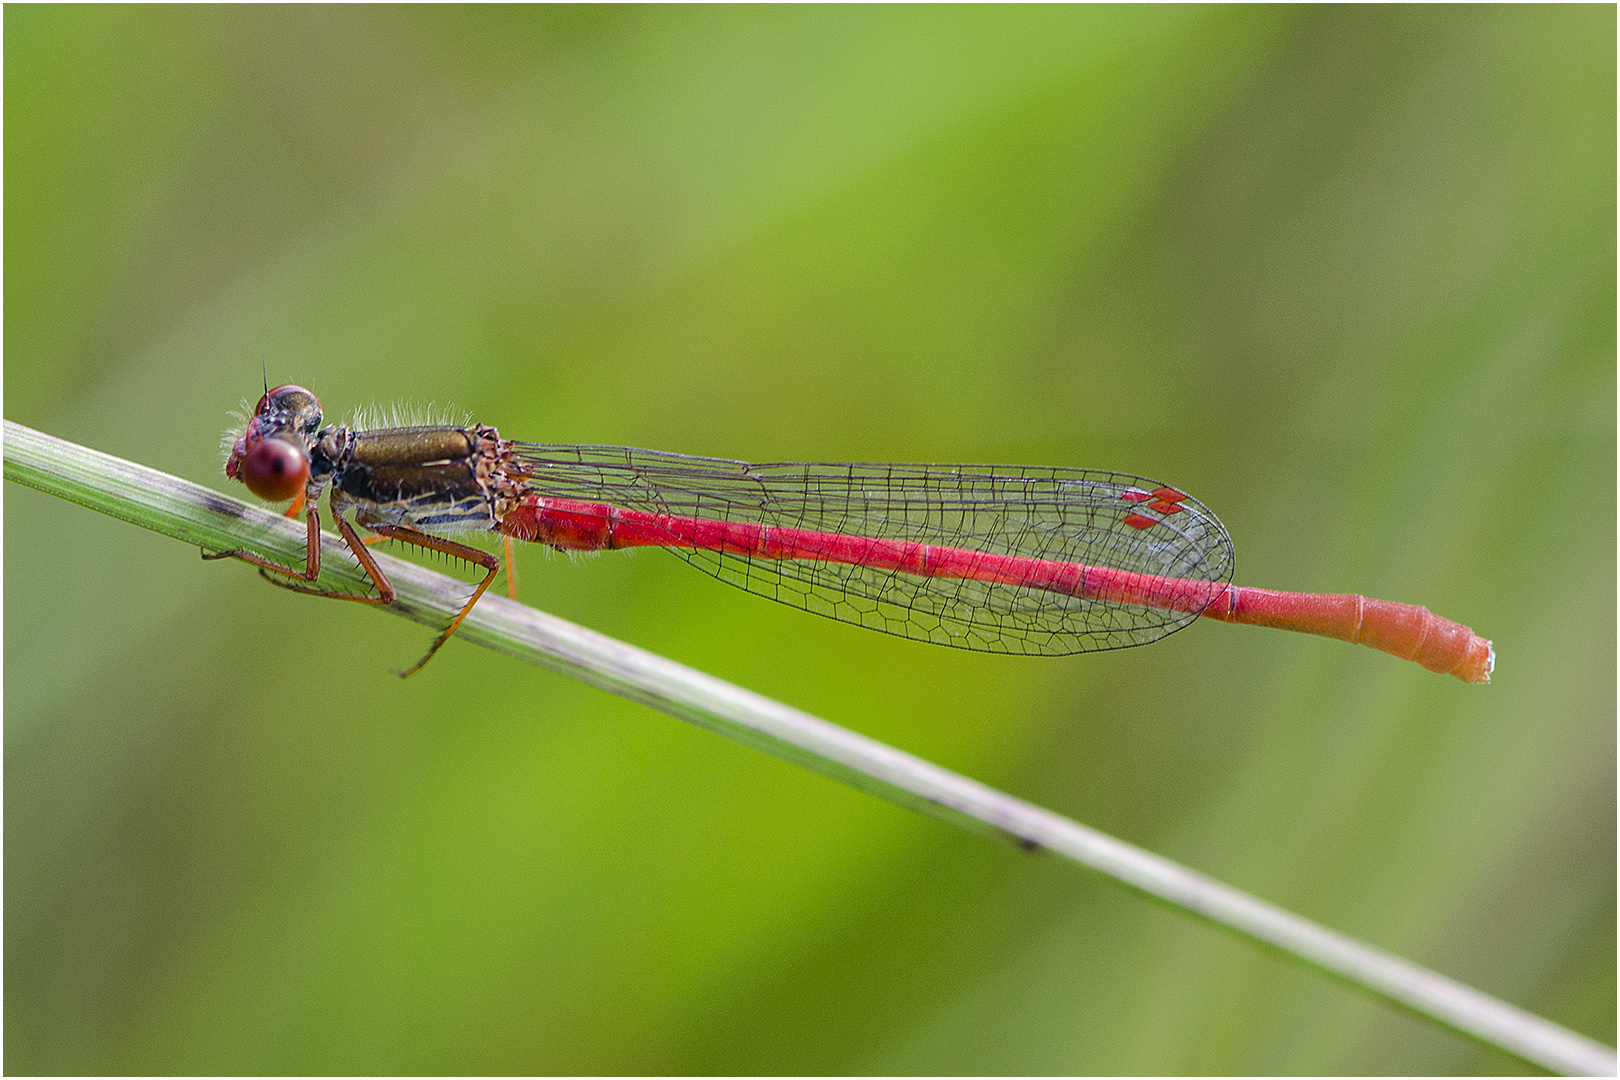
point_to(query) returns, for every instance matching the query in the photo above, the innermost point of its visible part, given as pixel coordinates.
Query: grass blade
(200, 516)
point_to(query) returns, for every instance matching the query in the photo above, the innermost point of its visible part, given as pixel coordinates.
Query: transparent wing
(1065, 515)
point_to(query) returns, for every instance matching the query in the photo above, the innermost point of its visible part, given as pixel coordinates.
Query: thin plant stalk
(216, 522)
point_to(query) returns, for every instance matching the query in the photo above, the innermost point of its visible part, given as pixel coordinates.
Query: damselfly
(1032, 561)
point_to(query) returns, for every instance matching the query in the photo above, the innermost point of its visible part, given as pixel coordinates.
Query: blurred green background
(1346, 275)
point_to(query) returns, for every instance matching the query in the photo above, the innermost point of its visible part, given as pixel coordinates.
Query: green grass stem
(214, 522)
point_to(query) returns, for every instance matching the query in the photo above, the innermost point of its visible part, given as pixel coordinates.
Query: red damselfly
(1032, 561)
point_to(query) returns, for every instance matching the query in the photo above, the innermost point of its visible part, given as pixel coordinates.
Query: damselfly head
(270, 453)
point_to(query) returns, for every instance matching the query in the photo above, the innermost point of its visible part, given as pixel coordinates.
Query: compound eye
(274, 469)
(283, 398)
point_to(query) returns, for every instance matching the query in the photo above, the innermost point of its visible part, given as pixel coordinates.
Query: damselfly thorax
(432, 479)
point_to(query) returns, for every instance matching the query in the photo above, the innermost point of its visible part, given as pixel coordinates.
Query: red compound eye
(274, 469)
